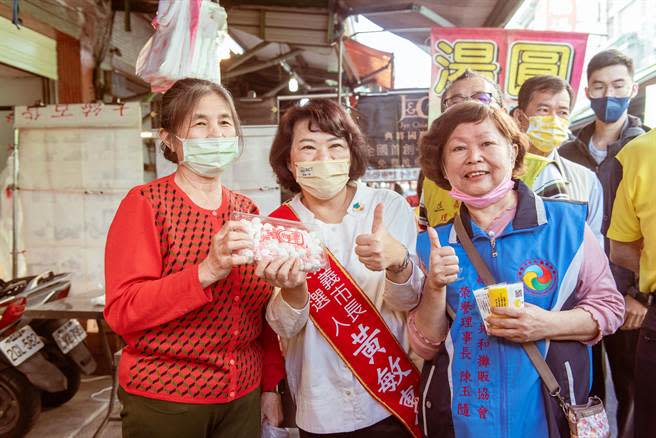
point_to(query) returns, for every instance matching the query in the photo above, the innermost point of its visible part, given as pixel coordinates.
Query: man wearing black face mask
(610, 89)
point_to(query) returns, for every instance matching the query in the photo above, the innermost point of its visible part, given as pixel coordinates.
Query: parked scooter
(64, 338)
(45, 355)
(23, 370)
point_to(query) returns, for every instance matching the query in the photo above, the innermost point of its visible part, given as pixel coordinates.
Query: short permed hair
(470, 74)
(431, 149)
(537, 84)
(322, 115)
(607, 58)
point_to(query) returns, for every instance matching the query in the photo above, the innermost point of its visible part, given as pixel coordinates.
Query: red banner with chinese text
(508, 57)
(351, 324)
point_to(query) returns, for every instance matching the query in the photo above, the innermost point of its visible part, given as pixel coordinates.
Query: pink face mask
(487, 199)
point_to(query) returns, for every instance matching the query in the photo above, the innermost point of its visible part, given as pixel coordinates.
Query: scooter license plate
(21, 345)
(69, 335)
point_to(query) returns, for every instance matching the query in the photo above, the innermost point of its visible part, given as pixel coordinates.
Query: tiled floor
(79, 417)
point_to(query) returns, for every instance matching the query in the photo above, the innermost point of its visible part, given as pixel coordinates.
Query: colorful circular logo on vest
(539, 276)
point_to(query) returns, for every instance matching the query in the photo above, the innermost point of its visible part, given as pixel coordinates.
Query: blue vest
(480, 385)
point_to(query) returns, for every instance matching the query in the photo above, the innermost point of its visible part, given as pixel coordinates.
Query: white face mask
(323, 179)
(209, 156)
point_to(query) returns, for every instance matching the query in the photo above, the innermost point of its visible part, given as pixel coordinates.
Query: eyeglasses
(599, 89)
(482, 96)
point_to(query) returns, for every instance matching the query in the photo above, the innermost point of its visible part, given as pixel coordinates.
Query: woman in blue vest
(479, 381)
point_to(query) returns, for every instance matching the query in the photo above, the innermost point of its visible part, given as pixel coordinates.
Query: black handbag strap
(484, 272)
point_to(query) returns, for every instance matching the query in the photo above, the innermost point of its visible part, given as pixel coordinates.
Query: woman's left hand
(532, 323)
(282, 272)
(271, 408)
(379, 250)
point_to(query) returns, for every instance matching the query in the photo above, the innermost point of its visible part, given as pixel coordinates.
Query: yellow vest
(441, 207)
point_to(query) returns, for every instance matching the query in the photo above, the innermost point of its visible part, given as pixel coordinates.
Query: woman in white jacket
(319, 153)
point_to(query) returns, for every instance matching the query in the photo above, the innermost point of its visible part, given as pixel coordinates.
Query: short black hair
(536, 84)
(470, 74)
(607, 58)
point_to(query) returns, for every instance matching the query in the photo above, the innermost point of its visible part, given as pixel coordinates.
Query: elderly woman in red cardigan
(200, 359)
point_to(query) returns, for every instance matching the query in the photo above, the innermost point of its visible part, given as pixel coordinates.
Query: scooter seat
(14, 287)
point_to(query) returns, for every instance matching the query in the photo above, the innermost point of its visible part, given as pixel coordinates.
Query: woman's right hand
(220, 260)
(285, 273)
(282, 272)
(443, 265)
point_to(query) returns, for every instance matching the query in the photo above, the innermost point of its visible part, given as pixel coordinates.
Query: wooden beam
(502, 12)
(300, 61)
(69, 69)
(275, 90)
(142, 6)
(248, 54)
(65, 20)
(432, 15)
(29, 22)
(261, 65)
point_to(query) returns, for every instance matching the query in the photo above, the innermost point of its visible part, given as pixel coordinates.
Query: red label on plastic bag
(295, 237)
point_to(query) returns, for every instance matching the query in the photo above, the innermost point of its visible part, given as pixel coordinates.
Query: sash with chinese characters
(349, 321)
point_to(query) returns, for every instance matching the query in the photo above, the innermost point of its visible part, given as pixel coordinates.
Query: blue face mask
(609, 109)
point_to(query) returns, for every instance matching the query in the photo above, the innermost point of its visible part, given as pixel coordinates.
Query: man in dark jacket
(610, 89)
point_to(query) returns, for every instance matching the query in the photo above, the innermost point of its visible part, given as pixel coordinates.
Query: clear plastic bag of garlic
(274, 238)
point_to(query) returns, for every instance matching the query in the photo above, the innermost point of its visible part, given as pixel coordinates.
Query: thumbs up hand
(443, 266)
(378, 250)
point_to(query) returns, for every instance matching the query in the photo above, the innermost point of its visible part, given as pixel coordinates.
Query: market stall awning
(370, 65)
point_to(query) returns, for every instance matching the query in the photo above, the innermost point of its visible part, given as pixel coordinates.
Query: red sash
(349, 321)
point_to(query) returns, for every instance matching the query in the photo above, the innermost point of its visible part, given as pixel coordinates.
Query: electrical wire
(94, 379)
(95, 395)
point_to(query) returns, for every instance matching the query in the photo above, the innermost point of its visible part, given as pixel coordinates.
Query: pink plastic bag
(269, 431)
(184, 44)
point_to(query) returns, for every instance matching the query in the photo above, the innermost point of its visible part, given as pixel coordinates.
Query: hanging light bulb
(293, 85)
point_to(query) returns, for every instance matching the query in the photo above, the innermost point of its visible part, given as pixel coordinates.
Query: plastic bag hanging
(269, 431)
(185, 43)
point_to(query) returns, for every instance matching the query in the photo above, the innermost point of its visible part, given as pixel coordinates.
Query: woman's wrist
(209, 272)
(412, 323)
(430, 287)
(430, 316)
(401, 263)
(575, 324)
(297, 297)
(545, 325)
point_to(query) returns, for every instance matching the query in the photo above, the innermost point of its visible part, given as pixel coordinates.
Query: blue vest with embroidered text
(494, 389)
